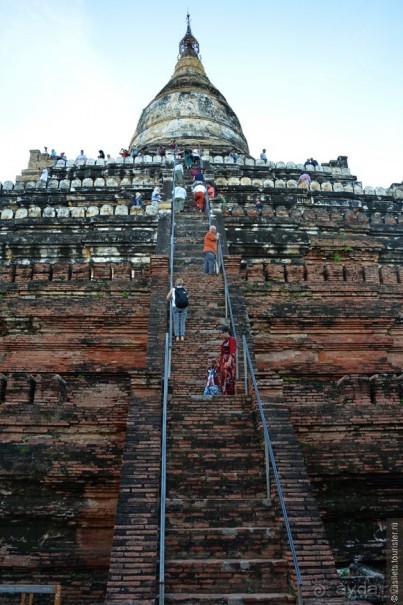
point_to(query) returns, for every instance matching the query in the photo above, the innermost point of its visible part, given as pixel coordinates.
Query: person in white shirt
(263, 156)
(179, 198)
(81, 155)
(179, 174)
(44, 176)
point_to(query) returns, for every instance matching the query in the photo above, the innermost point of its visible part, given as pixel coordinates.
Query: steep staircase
(223, 541)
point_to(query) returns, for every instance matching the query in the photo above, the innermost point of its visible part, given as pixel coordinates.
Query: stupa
(190, 109)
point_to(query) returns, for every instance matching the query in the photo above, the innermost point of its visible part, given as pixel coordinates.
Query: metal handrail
(270, 459)
(167, 375)
(163, 474)
(171, 263)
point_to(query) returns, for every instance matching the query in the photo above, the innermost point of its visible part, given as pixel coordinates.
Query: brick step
(182, 513)
(212, 421)
(217, 432)
(217, 404)
(239, 598)
(249, 483)
(225, 460)
(221, 409)
(192, 442)
(229, 575)
(225, 415)
(233, 543)
(239, 402)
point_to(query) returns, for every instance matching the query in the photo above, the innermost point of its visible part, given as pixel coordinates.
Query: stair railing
(163, 472)
(171, 263)
(270, 460)
(167, 375)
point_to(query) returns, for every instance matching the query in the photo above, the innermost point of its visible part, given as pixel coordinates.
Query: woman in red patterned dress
(227, 363)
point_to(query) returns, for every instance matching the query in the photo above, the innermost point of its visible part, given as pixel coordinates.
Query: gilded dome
(189, 109)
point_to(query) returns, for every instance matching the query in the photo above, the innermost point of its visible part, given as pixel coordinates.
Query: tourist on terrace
(304, 178)
(210, 250)
(81, 155)
(44, 176)
(179, 198)
(156, 197)
(179, 180)
(101, 155)
(210, 191)
(161, 152)
(136, 202)
(53, 154)
(263, 156)
(311, 162)
(124, 153)
(233, 154)
(179, 297)
(259, 205)
(134, 152)
(199, 192)
(227, 363)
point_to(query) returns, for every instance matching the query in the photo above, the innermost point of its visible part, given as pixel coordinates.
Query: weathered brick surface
(68, 349)
(322, 313)
(61, 454)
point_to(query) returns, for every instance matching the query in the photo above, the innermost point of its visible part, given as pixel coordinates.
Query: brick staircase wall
(73, 352)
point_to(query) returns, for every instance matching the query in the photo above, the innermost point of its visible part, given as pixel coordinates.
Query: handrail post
(245, 370)
(266, 454)
(58, 594)
(299, 594)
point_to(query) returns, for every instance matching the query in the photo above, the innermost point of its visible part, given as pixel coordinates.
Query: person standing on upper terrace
(210, 191)
(304, 179)
(210, 250)
(263, 156)
(156, 197)
(81, 155)
(311, 162)
(162, 154)
(233, 154)
(44, 175)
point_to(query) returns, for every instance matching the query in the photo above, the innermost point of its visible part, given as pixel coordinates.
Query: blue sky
(305, 79)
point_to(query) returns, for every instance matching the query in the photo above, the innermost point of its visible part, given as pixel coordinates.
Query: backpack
(181, 298)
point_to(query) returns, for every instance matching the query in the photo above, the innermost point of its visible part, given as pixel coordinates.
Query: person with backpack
(180, 302)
